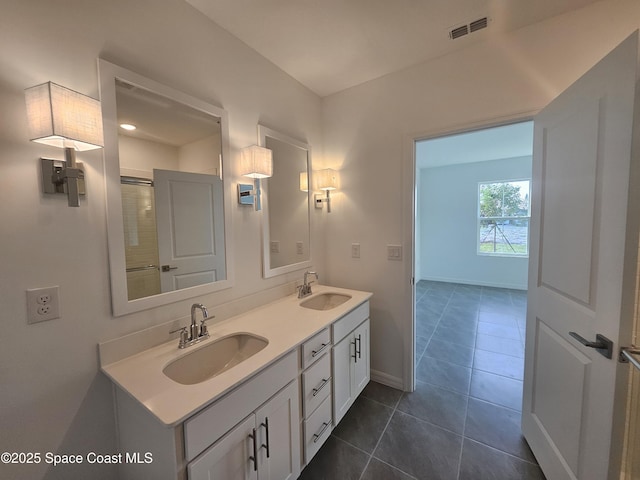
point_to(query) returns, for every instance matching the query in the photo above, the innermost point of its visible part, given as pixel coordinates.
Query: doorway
(471, 270)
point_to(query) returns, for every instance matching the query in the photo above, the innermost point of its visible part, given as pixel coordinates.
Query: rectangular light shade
(304, 182)
(327, 179)
(63, 118)
(256, 162)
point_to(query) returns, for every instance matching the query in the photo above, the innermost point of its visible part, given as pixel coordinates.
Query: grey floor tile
(363, 424)
(459, 322)
(424, 329)
(436, 405)
(497, 389)
(427, 315)
(455, 335)
(497, 317)
(336, 459)
(421, 346)
(480, 462)
(382, 394)
(497, 427)
(377, 470)
(498, 330)
(450, 352)
(505, 346)
(500, 364)
(419, 448)
(444, 374)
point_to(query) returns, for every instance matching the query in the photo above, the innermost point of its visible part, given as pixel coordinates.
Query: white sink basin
(325, 301)
(217, 357)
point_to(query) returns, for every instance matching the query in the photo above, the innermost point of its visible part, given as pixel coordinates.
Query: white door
(190, 223)
(581, 167)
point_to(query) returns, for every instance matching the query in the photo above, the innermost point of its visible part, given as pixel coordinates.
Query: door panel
(581, 165)
(569, 188)
(189, 211)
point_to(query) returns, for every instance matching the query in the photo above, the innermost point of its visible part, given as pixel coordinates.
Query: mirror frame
(121, 305)
(267, 271)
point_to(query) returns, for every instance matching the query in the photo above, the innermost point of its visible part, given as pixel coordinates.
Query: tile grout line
(380, 437)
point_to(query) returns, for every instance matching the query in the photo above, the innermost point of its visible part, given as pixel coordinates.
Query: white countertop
(284, 323)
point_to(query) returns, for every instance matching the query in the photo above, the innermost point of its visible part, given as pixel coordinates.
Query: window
(503, 218)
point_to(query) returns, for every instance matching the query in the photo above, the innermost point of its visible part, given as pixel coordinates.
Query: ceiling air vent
(467, 28)
(478, 24)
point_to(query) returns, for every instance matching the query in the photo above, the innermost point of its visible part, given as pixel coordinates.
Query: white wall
(447, 218)
(369, 130)
(52, 396)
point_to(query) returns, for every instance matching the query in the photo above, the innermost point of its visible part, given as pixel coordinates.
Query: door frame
(409, 203)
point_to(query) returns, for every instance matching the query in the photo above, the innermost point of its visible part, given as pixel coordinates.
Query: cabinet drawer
(313, 348)
(213, 422)
(316, 384)
(341, 328)
(317, 429)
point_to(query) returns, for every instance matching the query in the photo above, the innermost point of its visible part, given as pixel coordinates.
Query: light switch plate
(394, 252)
(355, 250)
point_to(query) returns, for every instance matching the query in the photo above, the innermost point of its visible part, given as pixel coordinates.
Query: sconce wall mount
(66, 119)
(255, 162)
(327, 180)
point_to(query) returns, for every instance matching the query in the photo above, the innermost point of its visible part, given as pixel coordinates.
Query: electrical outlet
(42, 304)
(355, 250)
(299, 248)
(275, 246)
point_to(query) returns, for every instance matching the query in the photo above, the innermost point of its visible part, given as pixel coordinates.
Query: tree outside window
(504, 210)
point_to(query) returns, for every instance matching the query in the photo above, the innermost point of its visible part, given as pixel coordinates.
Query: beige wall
(368, 132)
(52, 396)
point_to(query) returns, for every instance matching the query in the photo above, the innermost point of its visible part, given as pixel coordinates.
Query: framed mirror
(167, 208)
(286, 231)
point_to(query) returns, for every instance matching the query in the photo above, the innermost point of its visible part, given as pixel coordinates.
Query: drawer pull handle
(254, 458)
(321, 386)
(316, 436)
(322, 347)
(266, 428)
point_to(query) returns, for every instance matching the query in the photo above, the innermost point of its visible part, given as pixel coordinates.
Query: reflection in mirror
(165, 194)
(286, 225)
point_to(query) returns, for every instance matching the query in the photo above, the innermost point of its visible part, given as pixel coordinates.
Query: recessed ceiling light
(127, 126)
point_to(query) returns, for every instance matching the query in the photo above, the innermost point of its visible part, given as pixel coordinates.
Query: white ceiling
(331, 45)
(509, 141)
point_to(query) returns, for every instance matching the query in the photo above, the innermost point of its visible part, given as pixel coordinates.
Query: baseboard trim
(386, 379)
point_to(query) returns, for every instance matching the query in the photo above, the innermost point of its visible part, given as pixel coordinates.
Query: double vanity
(256, 399)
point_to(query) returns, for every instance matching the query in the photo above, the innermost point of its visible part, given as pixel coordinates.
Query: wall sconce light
(304, 182)
(66, 119)
(255, 162)
(327, 180)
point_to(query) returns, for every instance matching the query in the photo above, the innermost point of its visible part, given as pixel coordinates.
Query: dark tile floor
(463, 420)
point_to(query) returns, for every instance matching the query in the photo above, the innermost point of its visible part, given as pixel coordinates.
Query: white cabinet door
(361, 359)
(350, 369)
(342, 399)
(278, 426)
(230, 457)
(581, 172)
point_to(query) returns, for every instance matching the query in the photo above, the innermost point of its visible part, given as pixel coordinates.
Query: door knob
(603, 345)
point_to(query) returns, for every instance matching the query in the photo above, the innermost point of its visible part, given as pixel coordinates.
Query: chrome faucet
(195, 333)
(304, 290)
